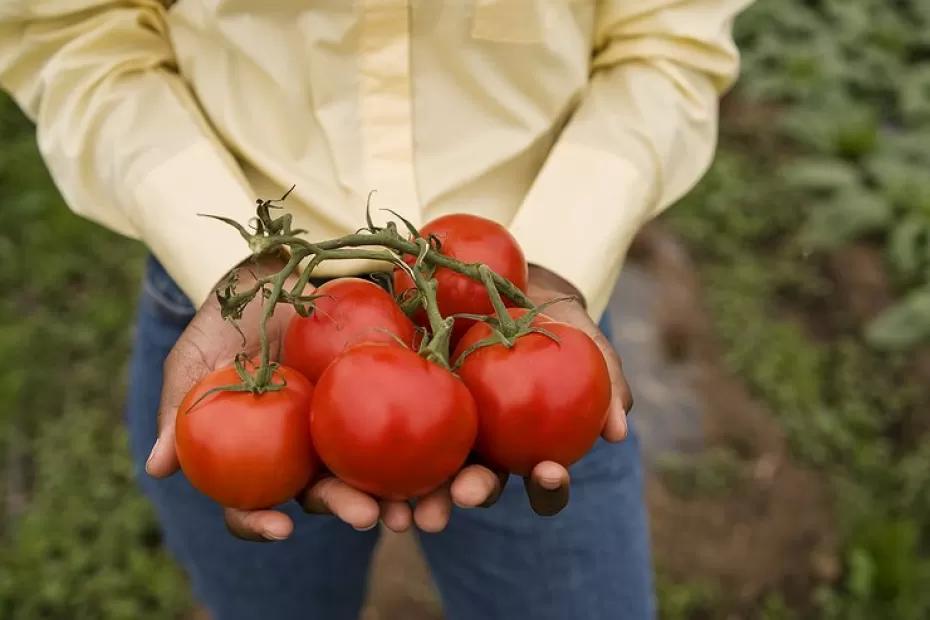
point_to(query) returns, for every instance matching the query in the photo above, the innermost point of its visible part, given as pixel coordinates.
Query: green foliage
(76, 539)
(686, 601)
(885, 577)
(845, 90)
(853, 84)
(904, 324)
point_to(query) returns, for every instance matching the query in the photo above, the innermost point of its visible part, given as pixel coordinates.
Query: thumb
(184, 367)
(547, 488)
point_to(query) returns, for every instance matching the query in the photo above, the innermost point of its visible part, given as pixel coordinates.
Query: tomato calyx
(254, 384)
(506, 329)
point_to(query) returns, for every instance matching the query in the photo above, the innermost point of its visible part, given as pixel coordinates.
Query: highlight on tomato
(470, 239)
(545, 398)
(391, 423)
(348, 311)
(246, 450)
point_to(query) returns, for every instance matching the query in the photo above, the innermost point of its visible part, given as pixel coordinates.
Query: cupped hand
(547, 486)
(209, 343)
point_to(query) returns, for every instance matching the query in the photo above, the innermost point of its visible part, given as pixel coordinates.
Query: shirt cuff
(196, 251)
(580, 216)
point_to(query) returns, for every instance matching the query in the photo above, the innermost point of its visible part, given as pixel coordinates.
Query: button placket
(386, 106)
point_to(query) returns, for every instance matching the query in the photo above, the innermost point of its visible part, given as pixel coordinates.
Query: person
(570, 121)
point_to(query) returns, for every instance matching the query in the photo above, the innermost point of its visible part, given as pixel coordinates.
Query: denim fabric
(590, 562)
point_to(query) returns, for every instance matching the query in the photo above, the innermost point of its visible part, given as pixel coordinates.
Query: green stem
(264, 375)
(275, 234)
(508, 326)
(437, 349)
(393, 241)
(304, 279)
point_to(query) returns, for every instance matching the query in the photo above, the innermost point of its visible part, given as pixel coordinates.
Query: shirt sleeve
(121, 133)
(642, 135)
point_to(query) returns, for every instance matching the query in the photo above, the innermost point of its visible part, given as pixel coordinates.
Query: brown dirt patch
(771, 529)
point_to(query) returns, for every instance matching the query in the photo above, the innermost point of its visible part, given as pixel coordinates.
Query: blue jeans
(590, 562)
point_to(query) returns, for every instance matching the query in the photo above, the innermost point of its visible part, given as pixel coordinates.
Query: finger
(333, 496)
(258, 525)
(163, 460)
(396, 516)
(621, 399)
(433, 510)
(547, 488)
(184, 367)
(476, 486)
(615, 428)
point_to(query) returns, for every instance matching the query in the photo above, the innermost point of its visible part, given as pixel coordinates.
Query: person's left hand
(547, 487)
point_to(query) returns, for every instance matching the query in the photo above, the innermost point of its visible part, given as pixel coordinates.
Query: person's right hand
(209, 343)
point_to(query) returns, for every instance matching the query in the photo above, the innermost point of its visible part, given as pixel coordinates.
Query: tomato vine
(267, 234)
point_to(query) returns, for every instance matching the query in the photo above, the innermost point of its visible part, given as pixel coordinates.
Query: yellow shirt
(571, 121)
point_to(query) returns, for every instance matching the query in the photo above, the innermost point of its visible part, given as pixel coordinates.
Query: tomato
(470, 239)
(391, 423)
(540, 400)
(350, 312)
(247, 450)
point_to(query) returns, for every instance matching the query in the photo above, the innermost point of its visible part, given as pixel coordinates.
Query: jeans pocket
(162, 296)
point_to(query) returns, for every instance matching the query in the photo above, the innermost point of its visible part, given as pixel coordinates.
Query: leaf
(414, 233)
(903, 325)
(820, 174)
(849, 215)
(899, 168)
(915, 94)
(833, 124)
(861, 574)
(909, 245)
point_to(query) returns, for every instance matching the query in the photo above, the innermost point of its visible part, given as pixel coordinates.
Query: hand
(547, 487)
(209, 343)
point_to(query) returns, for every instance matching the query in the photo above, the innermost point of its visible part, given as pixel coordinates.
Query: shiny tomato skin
(350, 312)
(470, 239)
(390, 423)
(244, 450)
(538, 401)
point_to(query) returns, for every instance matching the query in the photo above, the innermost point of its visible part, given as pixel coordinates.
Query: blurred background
(775, 325)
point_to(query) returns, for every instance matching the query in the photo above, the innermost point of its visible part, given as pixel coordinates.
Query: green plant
(843, 158)
(855, 100)
(76, 538)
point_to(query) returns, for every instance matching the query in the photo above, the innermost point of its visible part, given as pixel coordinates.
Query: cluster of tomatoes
(359, 401)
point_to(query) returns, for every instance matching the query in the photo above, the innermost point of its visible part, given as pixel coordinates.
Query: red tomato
(391, 423)
(470, 239)
(246, 450)
(541, 400)
(351, 312)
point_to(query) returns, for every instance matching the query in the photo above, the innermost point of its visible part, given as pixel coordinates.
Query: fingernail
(366, 529)
(152, 453)
(269, 533)
(550, 484)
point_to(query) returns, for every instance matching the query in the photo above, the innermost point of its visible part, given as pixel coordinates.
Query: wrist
(551, 282)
